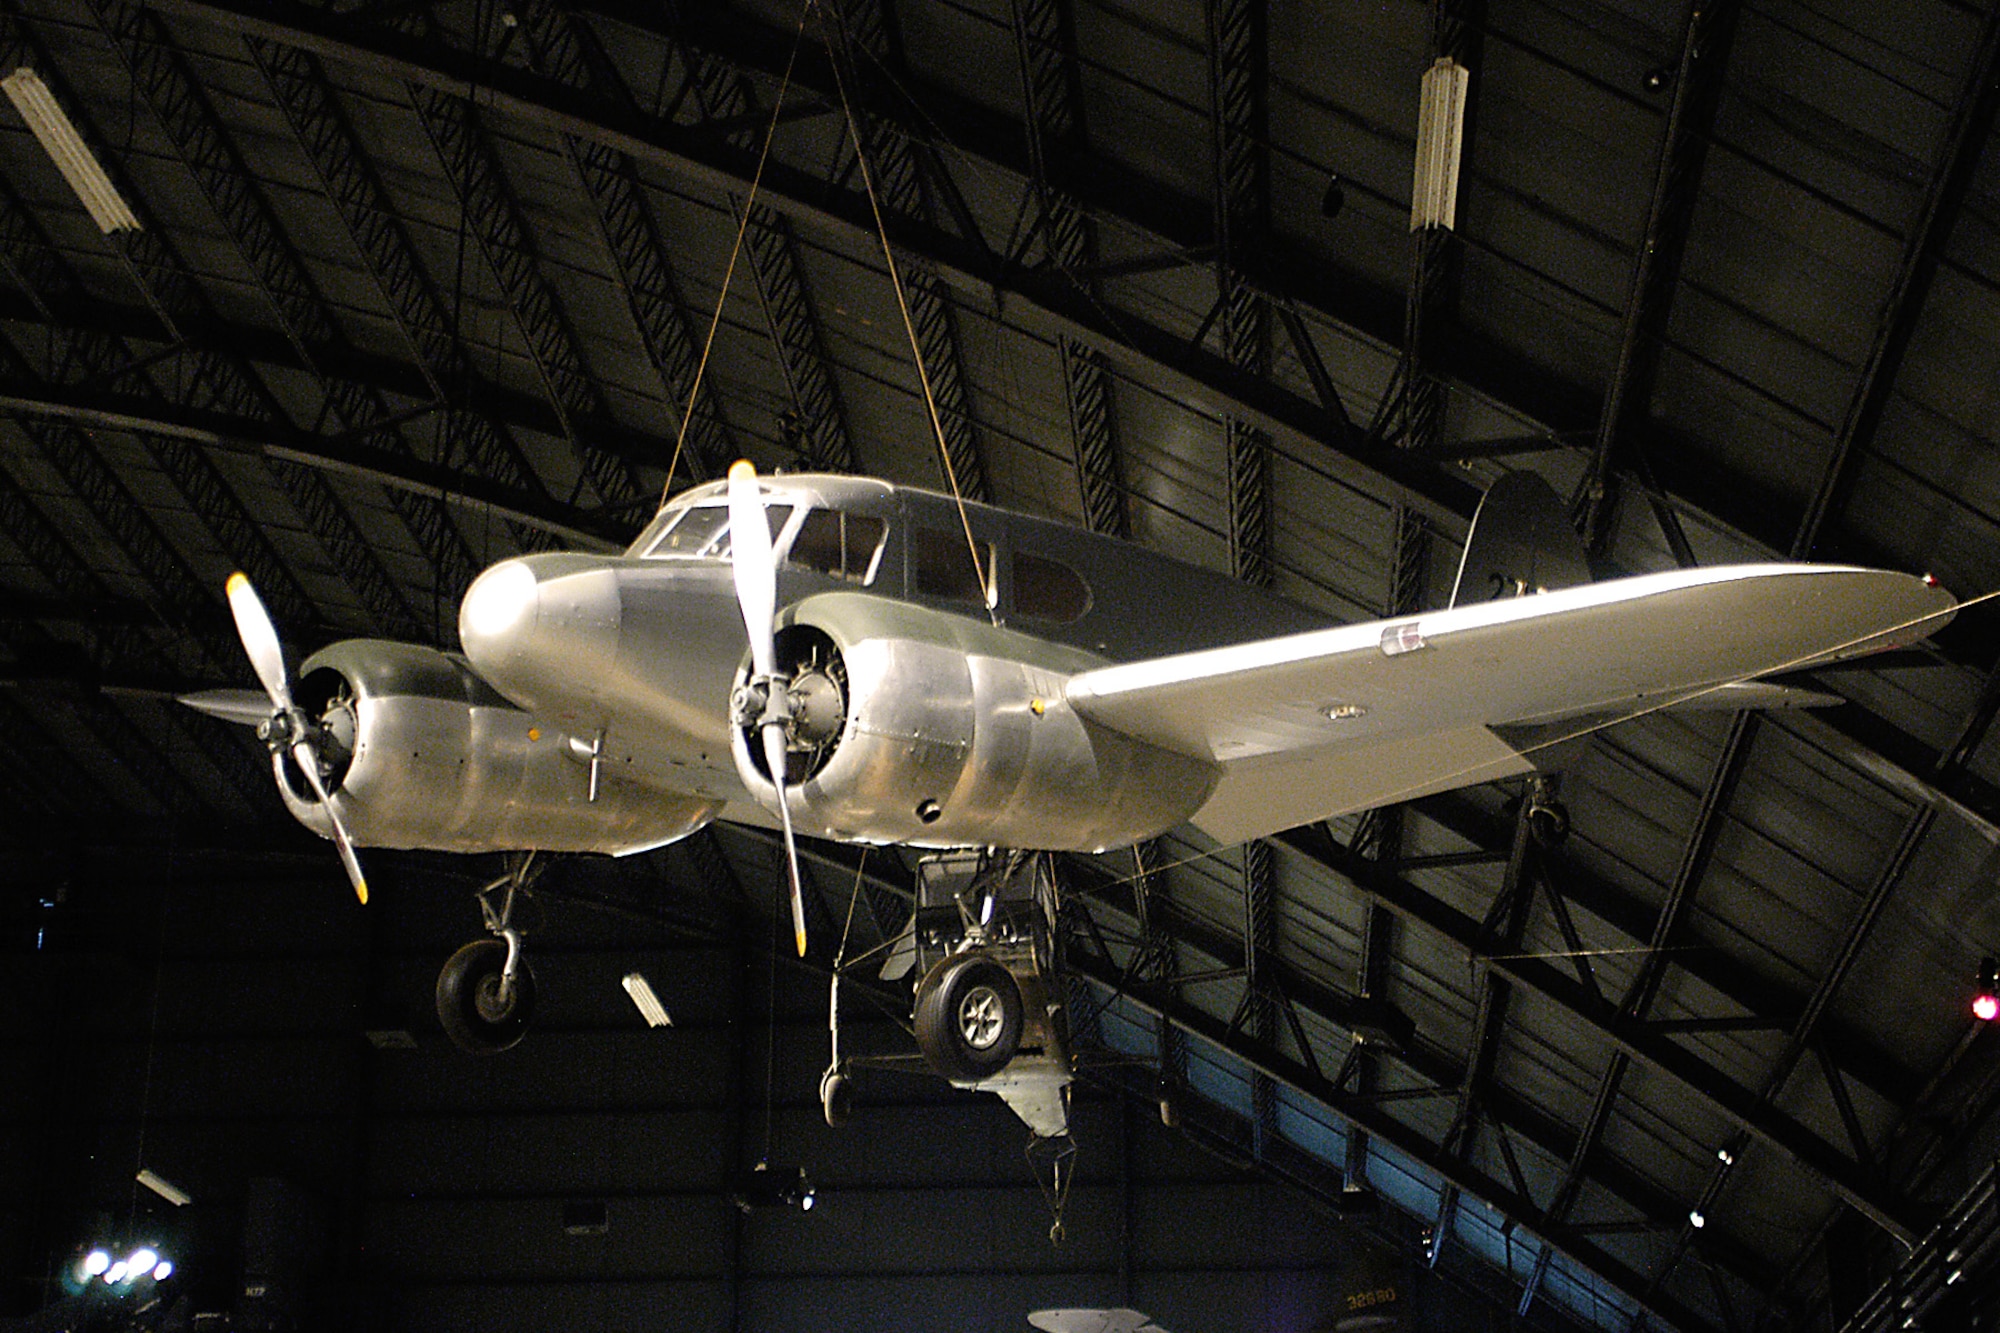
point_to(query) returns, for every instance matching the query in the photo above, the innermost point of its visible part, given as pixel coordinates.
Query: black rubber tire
(836, 1099)
(968, 1018)
(468, 991)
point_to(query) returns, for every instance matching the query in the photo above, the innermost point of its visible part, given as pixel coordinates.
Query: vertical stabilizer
(1521, 542)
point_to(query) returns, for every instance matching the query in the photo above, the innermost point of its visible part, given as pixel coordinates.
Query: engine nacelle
(425, 754)
(917, 726)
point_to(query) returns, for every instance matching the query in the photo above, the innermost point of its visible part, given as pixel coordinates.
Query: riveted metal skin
(440, 760)
(943, 745)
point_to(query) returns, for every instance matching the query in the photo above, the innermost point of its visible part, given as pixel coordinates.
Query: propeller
(288, 727)
(756, 571)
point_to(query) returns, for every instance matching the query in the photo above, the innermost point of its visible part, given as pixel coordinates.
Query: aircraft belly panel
(1260, 796)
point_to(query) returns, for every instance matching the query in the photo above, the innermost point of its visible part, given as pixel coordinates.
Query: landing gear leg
(836, 1089)
(486, 993)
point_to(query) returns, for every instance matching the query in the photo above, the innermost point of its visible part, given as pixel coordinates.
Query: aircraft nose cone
(542, 628)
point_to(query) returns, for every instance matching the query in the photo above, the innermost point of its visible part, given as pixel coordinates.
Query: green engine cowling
(422, 753)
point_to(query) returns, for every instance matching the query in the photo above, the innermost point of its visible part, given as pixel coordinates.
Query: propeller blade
(308, 761)
(774, 756)
(245, 706)
(756, 570)
(756, 567)
(260, 640)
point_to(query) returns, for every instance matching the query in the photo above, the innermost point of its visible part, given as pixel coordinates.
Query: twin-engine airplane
(950, 676)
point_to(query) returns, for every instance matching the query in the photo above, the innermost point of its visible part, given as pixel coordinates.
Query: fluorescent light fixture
(72, 156)
(166, 1189)
(1440, 131)
(648, 1003)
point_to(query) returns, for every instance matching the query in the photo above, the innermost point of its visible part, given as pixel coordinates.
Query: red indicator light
(1986, 1000)
(1986, 1008)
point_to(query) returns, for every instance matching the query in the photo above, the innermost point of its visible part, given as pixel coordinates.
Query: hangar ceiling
(414, 287)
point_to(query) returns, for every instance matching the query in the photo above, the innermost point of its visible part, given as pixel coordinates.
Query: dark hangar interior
(378, 292)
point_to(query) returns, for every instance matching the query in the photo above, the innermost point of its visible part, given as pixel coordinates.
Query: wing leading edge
(1319, 724)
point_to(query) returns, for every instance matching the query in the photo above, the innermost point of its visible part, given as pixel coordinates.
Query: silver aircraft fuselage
(636, 654)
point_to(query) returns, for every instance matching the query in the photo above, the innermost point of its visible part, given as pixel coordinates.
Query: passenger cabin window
(703, 532)
(1045, 590)
(847, 546)
(941, 566)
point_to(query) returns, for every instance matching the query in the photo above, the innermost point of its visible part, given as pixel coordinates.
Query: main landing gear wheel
(969, 1018)
(483, 1010)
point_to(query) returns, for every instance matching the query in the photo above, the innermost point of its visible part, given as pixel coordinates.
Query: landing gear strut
(486, 994)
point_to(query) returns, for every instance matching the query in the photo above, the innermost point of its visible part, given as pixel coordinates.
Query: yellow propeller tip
(237, 580)
(361, 892)
(742, 468)
(802, 943)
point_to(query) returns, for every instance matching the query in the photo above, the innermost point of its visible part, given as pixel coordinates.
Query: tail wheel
(968, 1018)
(1548, 823)
(836, 1098)
(479, 1014)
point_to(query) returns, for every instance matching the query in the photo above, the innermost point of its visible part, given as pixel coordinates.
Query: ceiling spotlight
(1657, 78)
(66, 148)
(1986, 1000)
(1696, 1220)
(96, 1262)
(648, 1004)
(1726, 1157)
(163, 1270)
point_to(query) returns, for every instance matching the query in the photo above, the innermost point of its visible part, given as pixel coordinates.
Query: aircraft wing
(1322, 723)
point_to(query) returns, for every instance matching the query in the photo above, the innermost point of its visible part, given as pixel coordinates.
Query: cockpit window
(703, 532)
(847, 546)
(1045, 590)
(941, 566)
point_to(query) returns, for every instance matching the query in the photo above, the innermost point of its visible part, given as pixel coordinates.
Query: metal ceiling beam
(1501, 932)
(1833, 1167)
(161, 74)
(1577, 1246)
(496, 404)
(1428, 1066)
(57, 561)
(451, 120)
(1052, 93)
(1237, 75)
(1696, 853)
(897, 165)
(98, 358)
(1767, 1006)
(816, 425)
(566, 47)
(340, 454)
(324, 134)
(1707, 36)
(1049, 302)
(1965, 140)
